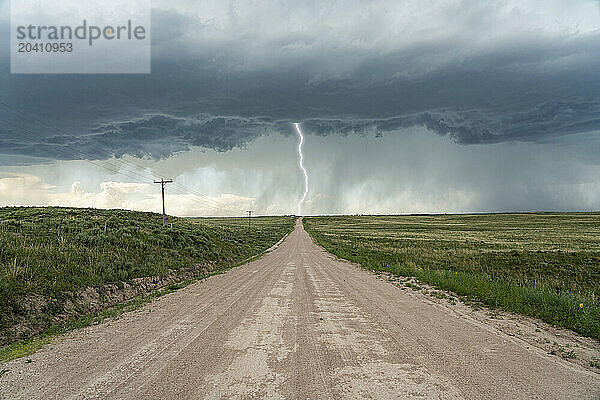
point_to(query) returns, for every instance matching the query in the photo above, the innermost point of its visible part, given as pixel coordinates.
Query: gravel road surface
(295, 324)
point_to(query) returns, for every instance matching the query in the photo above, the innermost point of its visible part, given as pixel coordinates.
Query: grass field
(46, 254)
(543, 265)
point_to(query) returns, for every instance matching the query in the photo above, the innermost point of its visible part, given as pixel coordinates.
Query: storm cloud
(160, 136)
(225, 73)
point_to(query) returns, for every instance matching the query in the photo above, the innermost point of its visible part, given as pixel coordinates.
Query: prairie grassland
(545, 265)
(46, 254)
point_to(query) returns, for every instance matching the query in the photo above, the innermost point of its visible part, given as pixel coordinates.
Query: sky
(407, 107)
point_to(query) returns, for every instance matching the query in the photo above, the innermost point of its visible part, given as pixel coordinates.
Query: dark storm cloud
(161, 136)
(558, 117)
(226, 73)
(156, 136)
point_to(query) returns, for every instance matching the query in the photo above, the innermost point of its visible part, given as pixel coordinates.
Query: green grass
(544, 265)
(46, 254)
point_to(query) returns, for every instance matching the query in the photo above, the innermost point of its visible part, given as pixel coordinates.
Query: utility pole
(163, 182)
(249, 216)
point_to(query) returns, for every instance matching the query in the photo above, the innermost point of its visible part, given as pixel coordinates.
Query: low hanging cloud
(162, 136)
(537, 124)
(155, 136)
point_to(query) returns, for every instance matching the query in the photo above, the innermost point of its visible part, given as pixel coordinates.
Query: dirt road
(294, 324)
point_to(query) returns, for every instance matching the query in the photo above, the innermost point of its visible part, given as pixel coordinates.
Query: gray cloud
(558, 117)
(157, 136)
(160, 136)
(227, 73)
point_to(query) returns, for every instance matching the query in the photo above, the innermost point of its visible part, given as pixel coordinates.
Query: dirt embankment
(38, 309)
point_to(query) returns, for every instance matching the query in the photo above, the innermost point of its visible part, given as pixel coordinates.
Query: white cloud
(111, 195)
(27, 189)
(23, 188)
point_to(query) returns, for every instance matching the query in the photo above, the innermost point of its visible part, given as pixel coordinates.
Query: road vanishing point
(295, 324)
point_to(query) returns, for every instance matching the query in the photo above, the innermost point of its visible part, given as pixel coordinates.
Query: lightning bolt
(301, 163)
